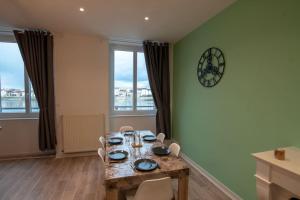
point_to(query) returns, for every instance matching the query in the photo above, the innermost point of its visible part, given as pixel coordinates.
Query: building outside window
(131, 93)
(17, 97)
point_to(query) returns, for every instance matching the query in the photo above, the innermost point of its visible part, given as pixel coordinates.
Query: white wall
(138, 122)
(81, 77)
(18, 137)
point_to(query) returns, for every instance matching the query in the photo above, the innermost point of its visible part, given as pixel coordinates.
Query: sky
(123, 71)
(11, 66)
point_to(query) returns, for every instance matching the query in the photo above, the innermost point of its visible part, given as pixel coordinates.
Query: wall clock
(211, 67)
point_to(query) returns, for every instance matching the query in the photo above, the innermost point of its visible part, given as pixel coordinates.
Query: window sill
(17, 118)
(132, 115)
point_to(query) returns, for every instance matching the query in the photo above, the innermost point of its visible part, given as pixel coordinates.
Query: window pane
(144, 95)
(34, 107)
(11, 79)
(123, 80)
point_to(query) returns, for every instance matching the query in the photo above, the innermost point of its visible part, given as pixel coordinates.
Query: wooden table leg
(112, 194)
(183, 187)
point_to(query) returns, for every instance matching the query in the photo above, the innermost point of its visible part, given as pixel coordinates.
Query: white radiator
(81, 132)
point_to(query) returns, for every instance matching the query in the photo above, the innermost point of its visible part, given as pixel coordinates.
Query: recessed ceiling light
(146, 18)
(81, 9)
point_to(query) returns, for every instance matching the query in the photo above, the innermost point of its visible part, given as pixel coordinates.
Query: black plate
(118, 155)
(161, 151)
(128, 133)
(115, 140)
(149, 138)
(145, 164)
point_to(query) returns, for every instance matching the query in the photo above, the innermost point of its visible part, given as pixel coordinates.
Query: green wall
(255, 107)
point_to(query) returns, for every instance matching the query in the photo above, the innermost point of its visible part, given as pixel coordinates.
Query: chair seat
(129, 197)
(130, 194)
(153, 189)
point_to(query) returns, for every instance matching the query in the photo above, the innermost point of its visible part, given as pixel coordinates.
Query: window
(131, 91)
(17, 97)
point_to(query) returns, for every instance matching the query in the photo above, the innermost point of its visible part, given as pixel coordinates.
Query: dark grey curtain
(36, 48)
(157, 63)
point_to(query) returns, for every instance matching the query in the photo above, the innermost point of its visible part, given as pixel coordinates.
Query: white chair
(126, 128)
(101, 154)
(102, 141)
(158, 189)
(174, 149)
(161, 137)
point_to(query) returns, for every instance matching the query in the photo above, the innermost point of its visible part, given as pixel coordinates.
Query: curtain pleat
(36, 48)
(157, 64)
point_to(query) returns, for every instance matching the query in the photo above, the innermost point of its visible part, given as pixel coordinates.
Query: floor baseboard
(46, 155)
(211, 178)
(27, 156)
(79, 154)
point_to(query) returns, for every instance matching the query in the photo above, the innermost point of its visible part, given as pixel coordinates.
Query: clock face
(211, 67)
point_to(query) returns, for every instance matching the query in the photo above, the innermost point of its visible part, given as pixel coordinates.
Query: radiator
(81, 132)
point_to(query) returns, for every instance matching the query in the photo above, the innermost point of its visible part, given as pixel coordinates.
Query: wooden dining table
(121, 176)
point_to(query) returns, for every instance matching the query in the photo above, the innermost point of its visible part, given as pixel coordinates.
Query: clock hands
(215, 71)
(209, 60)
(205, 71)
(209, 69)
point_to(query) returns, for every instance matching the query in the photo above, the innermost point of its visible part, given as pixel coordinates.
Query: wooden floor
(73, 178)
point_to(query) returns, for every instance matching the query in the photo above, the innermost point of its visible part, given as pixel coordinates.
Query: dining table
(122, 175)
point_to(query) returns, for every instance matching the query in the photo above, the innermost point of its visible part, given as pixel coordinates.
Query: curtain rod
(135, 42)
(4, 31)
(9, 30)
(118, 41)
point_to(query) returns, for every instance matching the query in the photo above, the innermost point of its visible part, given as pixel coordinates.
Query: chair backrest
(126, 128)
(101, 154)
(161, 137)
(158, 189)
(102, 141)
(175, 149)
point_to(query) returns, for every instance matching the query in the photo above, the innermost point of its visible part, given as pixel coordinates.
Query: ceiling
(170, 20)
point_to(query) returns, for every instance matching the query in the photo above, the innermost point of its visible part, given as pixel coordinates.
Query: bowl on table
(149, 138)
(118, 155)
(145, 164)
(128, 133)
(161, 150)
(115, 140)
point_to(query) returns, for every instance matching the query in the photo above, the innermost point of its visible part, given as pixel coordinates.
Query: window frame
(27, 113)
(134, 112)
